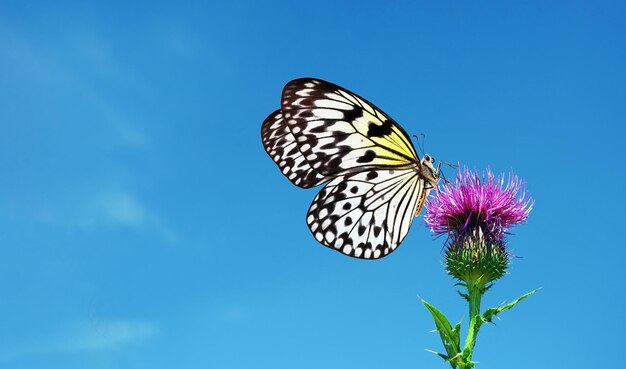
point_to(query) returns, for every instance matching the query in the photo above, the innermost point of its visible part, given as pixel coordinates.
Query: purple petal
(486, 203)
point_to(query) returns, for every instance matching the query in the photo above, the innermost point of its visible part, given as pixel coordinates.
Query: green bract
(476, 260)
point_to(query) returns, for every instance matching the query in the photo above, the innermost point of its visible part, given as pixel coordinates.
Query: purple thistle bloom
(476, 213)
(475, 203)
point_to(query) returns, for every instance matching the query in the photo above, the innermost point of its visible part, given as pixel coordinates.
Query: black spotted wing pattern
(366, 214)
(339, 132)
(281, 146)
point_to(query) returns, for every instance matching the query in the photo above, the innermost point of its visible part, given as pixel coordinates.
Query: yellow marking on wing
(391, 149)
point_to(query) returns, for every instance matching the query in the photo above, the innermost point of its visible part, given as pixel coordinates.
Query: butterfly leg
(439, 172)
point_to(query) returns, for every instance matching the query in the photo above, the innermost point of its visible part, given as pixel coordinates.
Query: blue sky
(143, 226)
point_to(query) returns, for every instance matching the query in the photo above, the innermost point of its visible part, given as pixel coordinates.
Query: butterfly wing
(281, 146)
(366, 214)
(339, 132)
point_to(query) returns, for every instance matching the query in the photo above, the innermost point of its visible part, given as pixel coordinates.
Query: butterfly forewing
(339, 132)
(366, 214)
(281, 146)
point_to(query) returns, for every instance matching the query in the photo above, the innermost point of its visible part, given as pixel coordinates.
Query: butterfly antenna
(420, 146)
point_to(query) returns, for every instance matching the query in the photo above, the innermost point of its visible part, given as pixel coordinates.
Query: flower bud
(476, 259)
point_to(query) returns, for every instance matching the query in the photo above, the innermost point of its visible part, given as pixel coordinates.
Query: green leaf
(490, 313)
(454, 361)
(450, 337)
(457, 330)
(445, 357)
(465, 296)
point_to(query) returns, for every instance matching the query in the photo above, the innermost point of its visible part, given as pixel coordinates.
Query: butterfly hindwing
(281, 146)
(366, 214)
(338, 131)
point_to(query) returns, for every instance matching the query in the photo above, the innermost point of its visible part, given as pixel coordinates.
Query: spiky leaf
(490, 313)
(450, 337)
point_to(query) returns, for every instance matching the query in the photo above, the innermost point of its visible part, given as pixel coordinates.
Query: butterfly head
(428, 171)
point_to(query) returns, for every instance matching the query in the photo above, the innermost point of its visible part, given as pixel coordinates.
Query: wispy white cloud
(89, 335)
(134, 137)
(121, 208)
(106, 209)
(107, 334)
(76, 62)
(60, 66)
(232, 314)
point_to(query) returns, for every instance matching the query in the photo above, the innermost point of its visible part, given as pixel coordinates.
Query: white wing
(367, 214)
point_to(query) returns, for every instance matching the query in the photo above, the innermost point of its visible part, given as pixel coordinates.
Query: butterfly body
(375, 182)
(430, 175)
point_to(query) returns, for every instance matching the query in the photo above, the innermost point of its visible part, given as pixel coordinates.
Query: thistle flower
(476, 212)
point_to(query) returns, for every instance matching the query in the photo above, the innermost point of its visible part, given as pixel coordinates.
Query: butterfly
(375, 181)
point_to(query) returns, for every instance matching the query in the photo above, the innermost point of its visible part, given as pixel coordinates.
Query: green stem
(475, 292)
